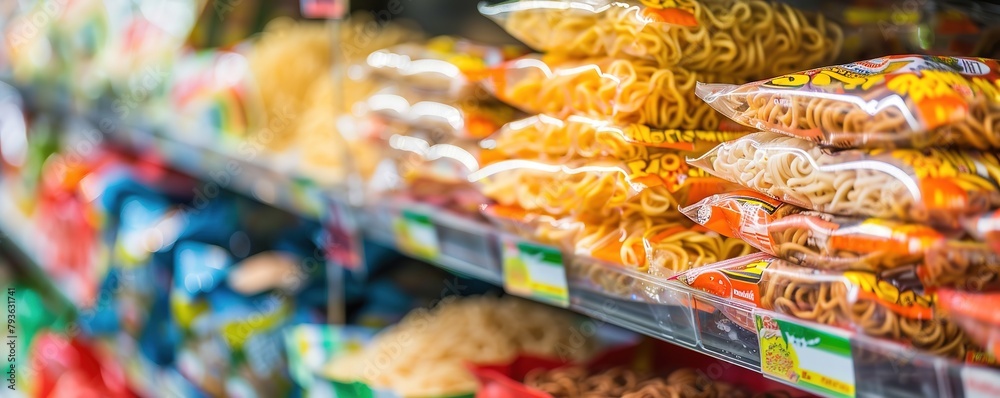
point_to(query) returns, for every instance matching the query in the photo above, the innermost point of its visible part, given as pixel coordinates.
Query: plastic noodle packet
(888, 305)
(976, 314)
(627, 91)
(730, 37)
(820, 240)
(547, 137)
(985, 227)
(469, 119)
(936, 185)
(444, 66)
(596, 188)
(893, 101)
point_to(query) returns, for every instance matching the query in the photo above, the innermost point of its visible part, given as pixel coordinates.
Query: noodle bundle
(546, 137)
(629, 92)
(894, 101)
(740, 38)
(819, 240)
(574, 381)
(426, 353)
(936, 185)
(885, 305)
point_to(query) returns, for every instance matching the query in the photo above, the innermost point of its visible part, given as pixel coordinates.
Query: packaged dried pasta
(597, 188)
(936, 185)
(467, 118)
(820, 240)
(976, 314)
(548, 137)
(444, 66)
(898, 101)
(745, 38)
(888, 304)
(626, 91)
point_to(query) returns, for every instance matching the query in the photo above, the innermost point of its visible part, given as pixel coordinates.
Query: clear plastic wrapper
(469, 118)
(819, 240)
(552, 138)
(626, 91)
(900, 101)
(653, 187)
(936, 185)
(444, 66)
(976, 314)
(746, 38)
(888, 305)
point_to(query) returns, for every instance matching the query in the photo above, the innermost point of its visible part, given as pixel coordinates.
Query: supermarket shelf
(645, 304)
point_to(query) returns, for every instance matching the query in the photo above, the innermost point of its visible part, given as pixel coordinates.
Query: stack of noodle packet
(427, 114)
(600, 171)
(866, 190)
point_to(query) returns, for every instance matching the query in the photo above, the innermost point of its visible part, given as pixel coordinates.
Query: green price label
(415, 234)
(535, 271)
(814, 360)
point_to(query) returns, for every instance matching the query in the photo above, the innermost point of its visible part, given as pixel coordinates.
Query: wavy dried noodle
(574, 381)
(425, 354)
(656, 246)
(848, 125)
(748, 39)
(285, 86)
(791, 290)
(791, 169)
(627, 91)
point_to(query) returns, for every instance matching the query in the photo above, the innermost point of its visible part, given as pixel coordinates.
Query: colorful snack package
(935, 185)
(551, 138)
(819, 240)
(895, 101)
(891, 305)
(729, 38)
(626, 91)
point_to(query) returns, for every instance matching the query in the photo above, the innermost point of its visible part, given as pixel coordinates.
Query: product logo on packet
(741, 283)
(669, 11)
(904, 301)
(684, 140)
(671, 168)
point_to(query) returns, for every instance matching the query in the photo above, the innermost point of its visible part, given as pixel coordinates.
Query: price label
(534, 271)
(798, 353)
(980, 382)
(416, 235)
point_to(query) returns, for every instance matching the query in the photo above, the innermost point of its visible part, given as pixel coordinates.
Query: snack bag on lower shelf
(820, 240)
(730, 38)
(933, 185)
(899, 100)
(891, 305)
(626, 91)
(444, 340)
(548, 137)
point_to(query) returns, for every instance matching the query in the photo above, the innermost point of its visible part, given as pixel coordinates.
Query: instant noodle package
(899, 101)
(744, 39)
(888, 304)
(824, 241)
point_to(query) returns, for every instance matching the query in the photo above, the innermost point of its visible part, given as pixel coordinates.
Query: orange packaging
(890, 304)
(823, 241)
(892, 101)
